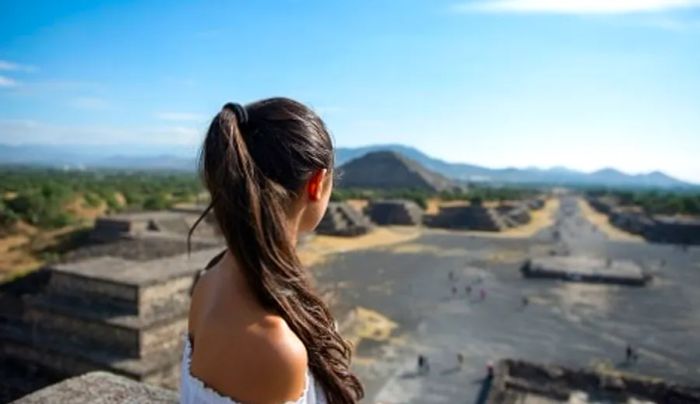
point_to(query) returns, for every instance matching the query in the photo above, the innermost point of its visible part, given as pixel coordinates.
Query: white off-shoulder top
(193, 390)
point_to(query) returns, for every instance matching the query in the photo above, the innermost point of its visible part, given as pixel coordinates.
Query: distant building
(391, 170)
(400, 212)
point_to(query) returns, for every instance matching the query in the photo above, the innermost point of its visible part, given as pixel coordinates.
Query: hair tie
(238, 110)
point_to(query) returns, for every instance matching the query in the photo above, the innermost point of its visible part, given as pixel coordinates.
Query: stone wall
(396, 212)
(516, 381)
(100, 388)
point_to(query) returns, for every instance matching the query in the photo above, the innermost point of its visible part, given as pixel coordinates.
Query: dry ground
(601, 221)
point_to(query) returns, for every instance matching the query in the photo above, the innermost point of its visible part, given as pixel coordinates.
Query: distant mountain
(531, 175)
(128, 157)
(390, 170)
(160, 157)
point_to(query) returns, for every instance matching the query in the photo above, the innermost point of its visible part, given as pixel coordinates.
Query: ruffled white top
(194, 391)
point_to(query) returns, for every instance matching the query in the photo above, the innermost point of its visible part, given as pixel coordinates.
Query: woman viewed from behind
(258, 332)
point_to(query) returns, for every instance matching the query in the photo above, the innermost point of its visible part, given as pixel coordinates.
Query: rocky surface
(100, 388)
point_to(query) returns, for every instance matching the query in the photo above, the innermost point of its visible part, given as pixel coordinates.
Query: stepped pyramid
(108, 313)
(400, 212)
(342, 219)
(391, 170)
(469, 217)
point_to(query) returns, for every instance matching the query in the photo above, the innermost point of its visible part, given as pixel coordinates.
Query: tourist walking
(423, 365)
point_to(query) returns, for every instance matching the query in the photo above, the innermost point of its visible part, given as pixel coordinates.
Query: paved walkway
(570, 324)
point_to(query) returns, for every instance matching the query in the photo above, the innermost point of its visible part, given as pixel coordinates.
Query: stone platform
(396, 212)
(122, 316)
(586, 269)
(526, 382)
(100, 388)
(341, 219)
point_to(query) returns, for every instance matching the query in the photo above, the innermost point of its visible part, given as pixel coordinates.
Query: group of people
(469, 288)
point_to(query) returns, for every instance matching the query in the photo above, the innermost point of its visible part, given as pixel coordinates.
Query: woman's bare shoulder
(240, 349)
(263, 362)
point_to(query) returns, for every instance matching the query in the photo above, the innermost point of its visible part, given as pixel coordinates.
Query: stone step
(130, 286)
(128, 334)
(60, 356)
(100, 388)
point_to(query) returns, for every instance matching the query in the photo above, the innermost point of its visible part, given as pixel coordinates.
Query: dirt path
(321, 248)
(601, 221)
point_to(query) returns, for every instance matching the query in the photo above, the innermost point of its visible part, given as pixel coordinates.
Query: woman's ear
(314, 187)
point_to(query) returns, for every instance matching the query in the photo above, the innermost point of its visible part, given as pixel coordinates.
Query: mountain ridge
(183, 158)
(606, 176)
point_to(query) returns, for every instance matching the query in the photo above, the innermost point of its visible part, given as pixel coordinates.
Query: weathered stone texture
(398, 212)
(100, 388)
(342, 219)
(518, 381)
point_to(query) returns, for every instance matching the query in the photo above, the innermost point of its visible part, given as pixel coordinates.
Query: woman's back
(258, 331)
(242, 350)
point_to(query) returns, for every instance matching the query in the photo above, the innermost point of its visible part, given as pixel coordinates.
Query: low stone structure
(603, 204)
(468, 217)
(586, 269)
(536, 203)
(130, 225)
(676, 230)
(100, 388)
(399, 211)
(631, 220)
(517, 381)
(658, 228)
(107, 313)
(514, 213)
(342, 219)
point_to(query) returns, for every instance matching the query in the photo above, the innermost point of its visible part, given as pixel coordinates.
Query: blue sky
(580, 83)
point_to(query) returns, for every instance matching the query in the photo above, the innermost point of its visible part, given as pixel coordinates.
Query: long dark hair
(254, 167)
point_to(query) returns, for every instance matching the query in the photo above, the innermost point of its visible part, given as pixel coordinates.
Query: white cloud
(35, 132)
(574, 6)
(180, 116)
(6, 82)
(12, 66)
(90, 103)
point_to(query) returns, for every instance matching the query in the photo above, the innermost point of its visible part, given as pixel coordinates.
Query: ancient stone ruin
(117, 305)
(586, 269)
(516, 381)
(107, 313)
(143, 224)
(656, 228)
(398, 212)
(478, 216)
(471, 217)
(391, 170)
(100, 388)
(342, 219)
(514, 213)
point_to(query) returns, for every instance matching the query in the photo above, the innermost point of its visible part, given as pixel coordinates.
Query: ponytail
(253, 166)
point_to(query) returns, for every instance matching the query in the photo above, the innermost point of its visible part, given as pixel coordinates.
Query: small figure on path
(423, 366)
(526, 301)
(631, 354)
(454, 291)
(460, 359)
(489, 370)
(482, 294)
(468, 290)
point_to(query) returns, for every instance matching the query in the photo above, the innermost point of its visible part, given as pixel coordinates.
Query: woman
(258, 332)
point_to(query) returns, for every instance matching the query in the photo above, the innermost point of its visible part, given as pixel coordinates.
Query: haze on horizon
(584, 84)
